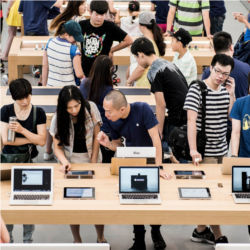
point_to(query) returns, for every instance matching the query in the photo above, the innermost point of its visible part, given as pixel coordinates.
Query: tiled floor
(120, 237)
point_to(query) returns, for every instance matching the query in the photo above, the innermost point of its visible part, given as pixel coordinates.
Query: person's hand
(167, 33)
(103, 139)
(16, 126)
(230, 85)
(239, 17)
(165, 175)
(196, 157)
(65, 167)
(111, 55)
(209, 36)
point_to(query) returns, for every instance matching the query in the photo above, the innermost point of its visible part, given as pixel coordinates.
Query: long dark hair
(100, 76)
(71, 10)
(67, 94)
(158, 36)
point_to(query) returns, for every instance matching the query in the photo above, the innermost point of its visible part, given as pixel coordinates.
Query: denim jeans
(27, 233)
(216, 23)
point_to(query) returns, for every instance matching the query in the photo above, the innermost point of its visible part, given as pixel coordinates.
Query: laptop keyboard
(31, 197)
(139, 196)
(243, 196)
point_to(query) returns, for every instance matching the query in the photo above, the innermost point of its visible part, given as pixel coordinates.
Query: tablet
(194, 193)
(78, 174)
(79, 192)
(189, 174)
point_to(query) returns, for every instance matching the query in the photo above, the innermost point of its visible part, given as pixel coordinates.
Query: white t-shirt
(131, 26)
(187, 66)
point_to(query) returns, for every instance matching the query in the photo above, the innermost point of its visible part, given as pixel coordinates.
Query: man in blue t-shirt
(240, 115)
(136, 124)
(223, 44)
(35, 15)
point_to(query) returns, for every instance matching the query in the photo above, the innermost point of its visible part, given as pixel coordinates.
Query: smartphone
(189, 174)
(194, 193)
(79, 193)
(78, 174)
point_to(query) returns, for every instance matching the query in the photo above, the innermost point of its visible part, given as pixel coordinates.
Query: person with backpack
(29, 129)
(74, 129)
(219, 97)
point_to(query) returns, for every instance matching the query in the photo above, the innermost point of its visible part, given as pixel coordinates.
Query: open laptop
(232, 246)
(55, 246)
(137, 152)
(31, 185)
(241, 184)
(139, 185)
(228, 162)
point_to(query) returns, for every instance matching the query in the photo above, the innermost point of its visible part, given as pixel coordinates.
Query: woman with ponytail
(130, 24)
(73, 11)
(150, 30)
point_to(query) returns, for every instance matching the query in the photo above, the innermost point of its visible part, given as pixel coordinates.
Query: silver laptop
(241, 184)
(139, 185)
(233, 246)
(31, 185)
(56, 246)
(137, 152)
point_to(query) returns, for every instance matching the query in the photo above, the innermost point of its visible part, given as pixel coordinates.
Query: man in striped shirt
(189, 15)
(219, 101)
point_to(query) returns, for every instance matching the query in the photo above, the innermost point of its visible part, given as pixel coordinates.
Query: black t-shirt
(7, 111)
(79, 143)
(98, 41)
(165, 77)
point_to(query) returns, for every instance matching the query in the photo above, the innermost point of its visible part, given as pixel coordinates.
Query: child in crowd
(95, 88)
(137, 74)
(183, 59)
(74, 128)
(130, 24)
(73, 11)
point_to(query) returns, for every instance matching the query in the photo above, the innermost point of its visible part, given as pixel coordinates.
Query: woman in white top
(130, 24)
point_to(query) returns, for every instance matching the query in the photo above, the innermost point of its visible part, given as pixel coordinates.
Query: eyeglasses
(218, 72)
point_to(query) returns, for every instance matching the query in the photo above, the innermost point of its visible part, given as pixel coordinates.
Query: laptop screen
(139, 180)
(37, 179)
(241, 179)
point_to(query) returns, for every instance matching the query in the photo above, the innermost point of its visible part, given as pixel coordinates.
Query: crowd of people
(92, 119)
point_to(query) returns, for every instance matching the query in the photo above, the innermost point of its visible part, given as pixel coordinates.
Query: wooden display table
(106, 209)
(28, 50)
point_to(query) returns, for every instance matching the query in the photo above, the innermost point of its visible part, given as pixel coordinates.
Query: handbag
(178, 139)
(20, 157)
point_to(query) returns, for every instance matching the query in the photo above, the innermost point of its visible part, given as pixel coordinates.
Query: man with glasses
(219, 101)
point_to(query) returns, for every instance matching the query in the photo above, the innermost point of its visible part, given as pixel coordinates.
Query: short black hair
(20, 89)
(223, 60)
(101, 6)
(222, 41)
(143, 45)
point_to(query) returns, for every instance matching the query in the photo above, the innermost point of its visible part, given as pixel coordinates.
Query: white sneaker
(48, 157)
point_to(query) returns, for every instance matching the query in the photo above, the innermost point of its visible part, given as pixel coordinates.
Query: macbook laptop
(137, 152)
(233, 246)
(31, 185)
(241, 184)
(139, 185)
(56, 246)
(228, 162)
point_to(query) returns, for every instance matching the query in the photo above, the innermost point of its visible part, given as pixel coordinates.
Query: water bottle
(11, 133)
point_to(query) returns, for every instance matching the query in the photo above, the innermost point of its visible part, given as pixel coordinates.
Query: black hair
(67, 94)
(71, 10)
(223, 60)
(143, 45)
(60, 29)
(20, 89)
(100, 76)
(158, 36)
(222, 41)
(133, 6)
(101, 6)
